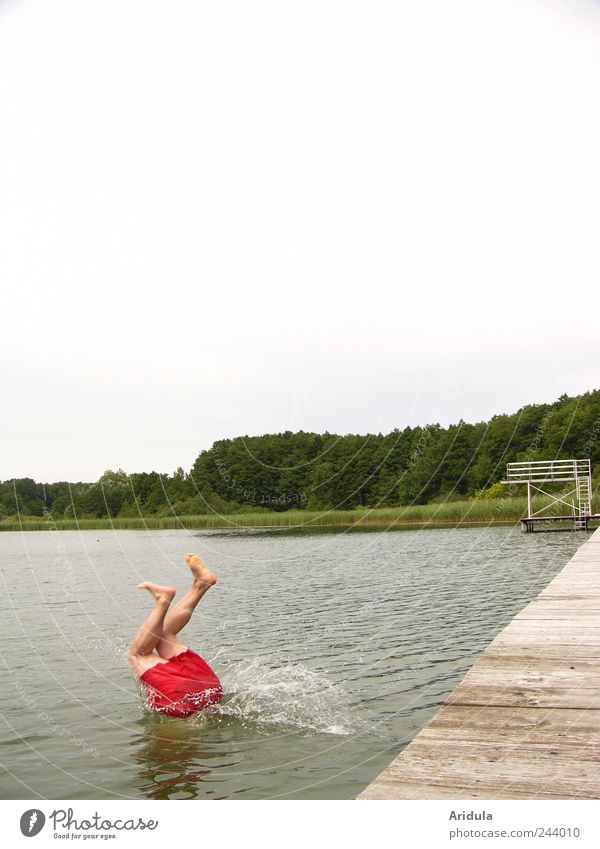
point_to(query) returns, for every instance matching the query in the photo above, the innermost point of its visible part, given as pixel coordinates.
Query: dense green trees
(324, 471)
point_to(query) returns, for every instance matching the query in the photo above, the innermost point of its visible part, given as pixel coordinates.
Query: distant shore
(437, 515)
(194, 523)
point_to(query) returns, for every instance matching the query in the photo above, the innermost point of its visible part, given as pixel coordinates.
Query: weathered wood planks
(524, 723)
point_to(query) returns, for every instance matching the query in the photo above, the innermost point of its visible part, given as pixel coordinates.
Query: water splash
(290, 696)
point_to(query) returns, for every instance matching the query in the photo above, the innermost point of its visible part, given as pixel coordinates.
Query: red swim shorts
(182, 685)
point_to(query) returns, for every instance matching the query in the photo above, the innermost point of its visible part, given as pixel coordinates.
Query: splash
(290, 696)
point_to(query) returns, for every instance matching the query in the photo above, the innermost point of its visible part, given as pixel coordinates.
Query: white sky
(236, 218)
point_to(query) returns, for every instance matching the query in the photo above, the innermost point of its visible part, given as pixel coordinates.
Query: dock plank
(526, 696)
(524, 722)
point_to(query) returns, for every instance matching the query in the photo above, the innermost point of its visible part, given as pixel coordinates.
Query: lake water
(333, 650)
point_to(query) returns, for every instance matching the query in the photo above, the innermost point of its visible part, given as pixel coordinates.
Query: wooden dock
(524, 723)
(577, 523)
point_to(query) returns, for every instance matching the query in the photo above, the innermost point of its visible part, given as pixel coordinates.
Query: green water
(333, 650)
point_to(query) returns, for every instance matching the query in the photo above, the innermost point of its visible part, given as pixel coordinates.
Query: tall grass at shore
(450, 513)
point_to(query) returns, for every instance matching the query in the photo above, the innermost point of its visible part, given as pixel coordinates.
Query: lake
(333, 651)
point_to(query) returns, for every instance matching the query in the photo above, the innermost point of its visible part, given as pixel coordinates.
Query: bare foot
(200, 570)
(159, 593)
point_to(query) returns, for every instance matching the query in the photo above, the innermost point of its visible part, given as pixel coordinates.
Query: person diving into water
(177, 681)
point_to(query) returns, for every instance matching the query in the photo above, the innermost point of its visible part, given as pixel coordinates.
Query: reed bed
(443, 514)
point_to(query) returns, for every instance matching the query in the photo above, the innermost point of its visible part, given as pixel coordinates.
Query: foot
(200, 570)
(159, 593)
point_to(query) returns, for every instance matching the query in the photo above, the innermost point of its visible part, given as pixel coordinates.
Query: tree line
(310, 471)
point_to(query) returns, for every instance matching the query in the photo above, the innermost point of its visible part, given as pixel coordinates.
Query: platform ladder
(582, 510)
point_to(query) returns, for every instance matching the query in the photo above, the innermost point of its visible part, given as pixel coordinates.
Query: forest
(311, 471)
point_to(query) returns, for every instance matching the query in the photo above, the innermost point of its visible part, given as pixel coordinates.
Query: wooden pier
(562, 523)
(524, 723)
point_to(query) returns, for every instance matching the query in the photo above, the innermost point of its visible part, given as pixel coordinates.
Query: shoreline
(449, 514)
(359, 526)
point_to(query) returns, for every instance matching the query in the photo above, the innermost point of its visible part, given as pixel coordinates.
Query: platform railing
(547, 471)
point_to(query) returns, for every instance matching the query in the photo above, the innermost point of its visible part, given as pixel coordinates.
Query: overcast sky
(237, 218)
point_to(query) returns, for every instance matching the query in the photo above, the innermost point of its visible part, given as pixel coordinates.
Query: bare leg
(177, 618)
(141, 652)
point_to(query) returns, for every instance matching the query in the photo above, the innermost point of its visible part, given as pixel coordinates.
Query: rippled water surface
(333, 650)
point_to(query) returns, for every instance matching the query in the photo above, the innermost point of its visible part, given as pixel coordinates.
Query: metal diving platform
(578, 499)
